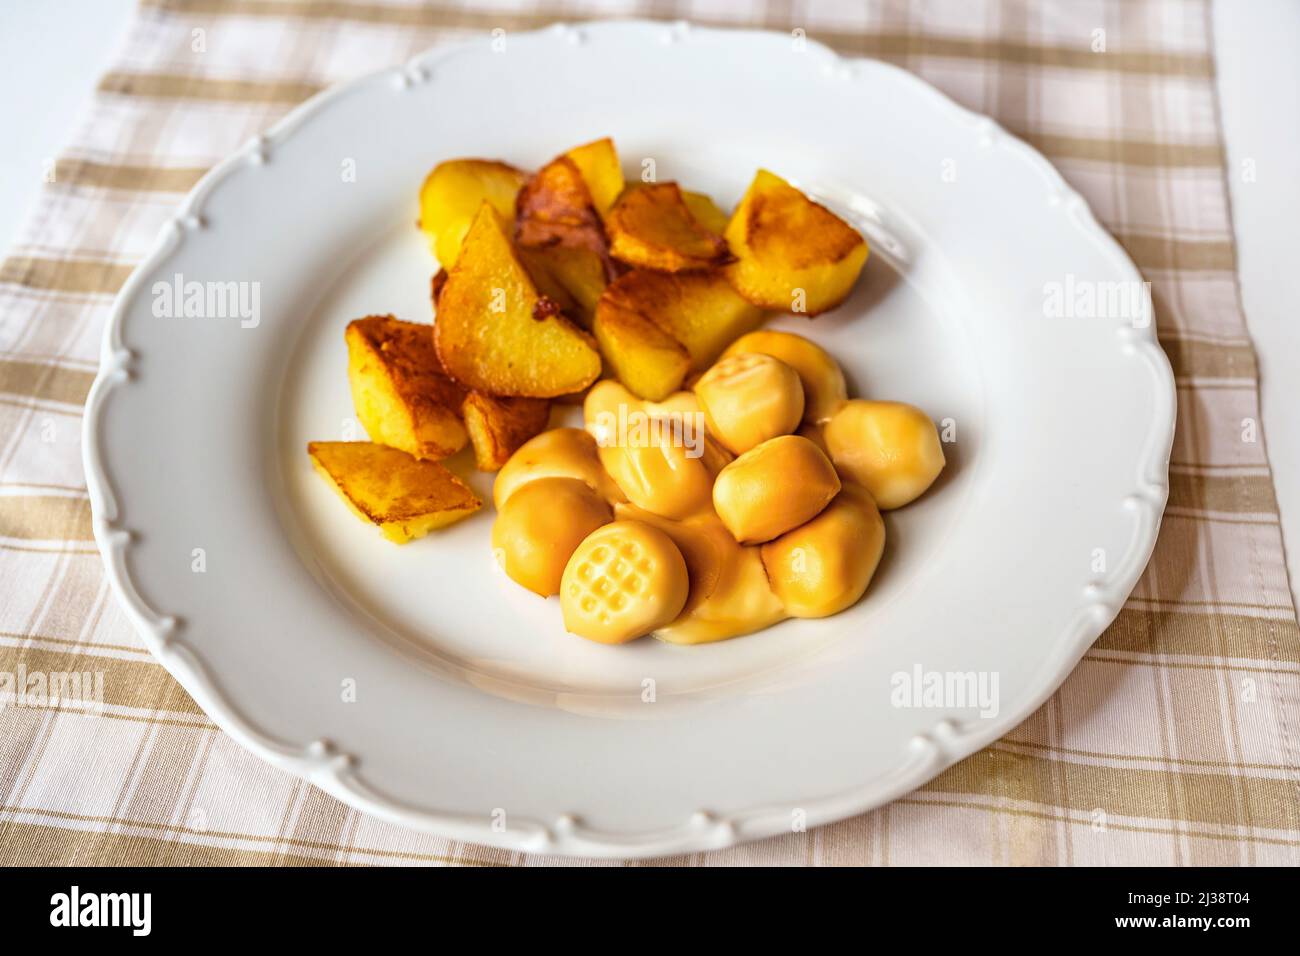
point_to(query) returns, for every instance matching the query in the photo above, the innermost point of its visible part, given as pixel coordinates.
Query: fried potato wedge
(560, 235)
(402, 397)
(535, 264)
(499, 426)
(699, 309)
(402, 496)
(706, 211)
(555, 208)
(496, 333)
(647, 360)
(792, 254)
(451, 196)
(652, 226)
(583, 274)
(601, 170)
(574, 278)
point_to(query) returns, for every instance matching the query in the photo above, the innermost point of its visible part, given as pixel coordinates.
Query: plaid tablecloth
(1174, 741)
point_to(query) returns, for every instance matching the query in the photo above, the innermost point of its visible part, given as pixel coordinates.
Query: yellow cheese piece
(624, 580)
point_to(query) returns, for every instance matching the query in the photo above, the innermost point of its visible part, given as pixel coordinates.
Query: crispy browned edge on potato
(499, 426)
(531, 348)
(389, 488)
(409, 362)
(831, 241)
(651, 226)
(409, 355)
(768, 245)
(555, 208)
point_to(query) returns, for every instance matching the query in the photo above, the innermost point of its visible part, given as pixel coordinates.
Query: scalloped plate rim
(320, 764)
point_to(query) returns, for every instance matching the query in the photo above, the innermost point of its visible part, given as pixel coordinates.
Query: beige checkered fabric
(1174, 741)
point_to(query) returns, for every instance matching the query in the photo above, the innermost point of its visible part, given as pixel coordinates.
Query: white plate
(476, 716)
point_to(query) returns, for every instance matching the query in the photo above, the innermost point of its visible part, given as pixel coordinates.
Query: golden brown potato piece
(560, 235)
(706, 211)
(402, 496)
(654, 328)
(791, 253)
(555, 208)
(574, 278)
(401, 395)
(545, 283)
(451, 196)
(496, 333)
(645, 358)
(652, 227)
(698, 309)
(598, 162)
(498, 426)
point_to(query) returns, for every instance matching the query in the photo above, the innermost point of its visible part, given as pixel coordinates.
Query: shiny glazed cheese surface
(713, 513)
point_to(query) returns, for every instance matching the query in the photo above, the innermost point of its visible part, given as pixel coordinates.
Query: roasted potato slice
(599, 164)
(699, 309)
(496, 333)
(555, 208)
(534, 263)
(498, 426)
(646, 359)
(401, 395)
(653, 227)
(404, 497)
(560, 236)
(583, 274)
(701, 206)
(706, 211)
(574, 278)
(451, 196)
(792, 254)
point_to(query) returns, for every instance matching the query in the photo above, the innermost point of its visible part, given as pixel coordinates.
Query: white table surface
(60, 48)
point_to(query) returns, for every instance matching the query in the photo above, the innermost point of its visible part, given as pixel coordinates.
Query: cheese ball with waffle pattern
(625, 579)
